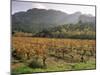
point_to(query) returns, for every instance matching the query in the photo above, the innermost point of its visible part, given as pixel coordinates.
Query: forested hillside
(36, 20)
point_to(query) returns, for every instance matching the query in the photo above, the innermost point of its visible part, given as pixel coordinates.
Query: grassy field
(23, 68)
(35, 55)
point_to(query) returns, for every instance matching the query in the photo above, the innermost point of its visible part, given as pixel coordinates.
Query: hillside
(35, 20)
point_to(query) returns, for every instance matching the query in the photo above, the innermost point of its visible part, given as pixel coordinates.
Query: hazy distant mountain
(87, 18)
(38, 19)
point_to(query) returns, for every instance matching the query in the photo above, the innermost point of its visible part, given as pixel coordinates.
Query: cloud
(37, 5)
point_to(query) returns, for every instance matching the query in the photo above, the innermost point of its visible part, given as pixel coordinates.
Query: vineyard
(52, 54)
(52, 40)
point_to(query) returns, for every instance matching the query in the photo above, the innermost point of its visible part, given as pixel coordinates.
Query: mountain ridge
(38, 19)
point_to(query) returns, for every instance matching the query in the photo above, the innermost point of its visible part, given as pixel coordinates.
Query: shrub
(35, 64)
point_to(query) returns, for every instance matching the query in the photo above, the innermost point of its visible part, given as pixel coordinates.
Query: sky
(18, 6)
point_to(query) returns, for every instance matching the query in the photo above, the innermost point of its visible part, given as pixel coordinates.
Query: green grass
(21, 69)
(56, 67)
(84, 66)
